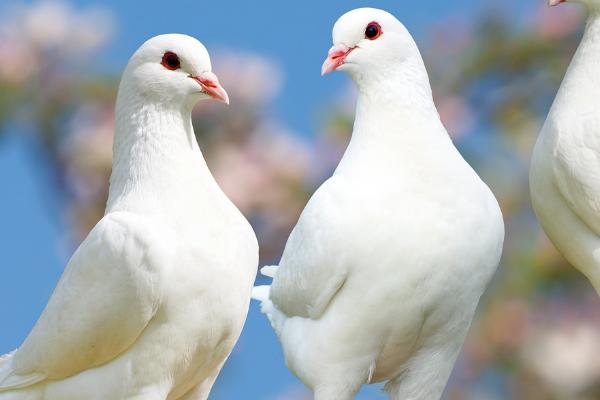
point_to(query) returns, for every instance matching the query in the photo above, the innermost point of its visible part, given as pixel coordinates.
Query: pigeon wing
(108, 293)
(576, 169)
(313, 269)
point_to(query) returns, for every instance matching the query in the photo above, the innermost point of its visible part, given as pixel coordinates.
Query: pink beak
(335, 58)
(553, 3)
(211, 86)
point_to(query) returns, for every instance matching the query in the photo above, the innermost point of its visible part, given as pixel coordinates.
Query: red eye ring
(373, 30)
(171, 61)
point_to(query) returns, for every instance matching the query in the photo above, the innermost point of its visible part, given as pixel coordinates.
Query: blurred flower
(450, 37)
(86, 156)
(259, 163)
(32, 36)
(554, 24)
(563, 356)
(258, 172)
(456, 114)
(258, 81)
(18, 61)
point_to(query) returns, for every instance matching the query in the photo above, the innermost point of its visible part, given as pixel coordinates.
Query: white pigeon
(152, 302)
(565, 166)
(380, 278)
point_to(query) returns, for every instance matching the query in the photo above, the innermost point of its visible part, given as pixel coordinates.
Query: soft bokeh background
(495, 68)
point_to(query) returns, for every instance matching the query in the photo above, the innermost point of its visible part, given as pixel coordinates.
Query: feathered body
(565, 167)
(152, 302)
(381, 276)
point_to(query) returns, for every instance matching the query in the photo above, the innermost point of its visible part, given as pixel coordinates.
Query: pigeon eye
(171, 61)
(373, 31)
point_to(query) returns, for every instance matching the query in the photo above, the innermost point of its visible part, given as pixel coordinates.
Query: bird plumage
(380, 278)
(153, 300)
(565, 166)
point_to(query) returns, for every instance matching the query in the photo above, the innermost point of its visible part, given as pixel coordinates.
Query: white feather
(269, 270)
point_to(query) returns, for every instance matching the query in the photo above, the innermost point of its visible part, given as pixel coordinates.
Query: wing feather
(109, 292)
(310, 274)
(576, 168)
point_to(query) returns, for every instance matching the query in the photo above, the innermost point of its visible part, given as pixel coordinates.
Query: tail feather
(269, 270)
(261, 293)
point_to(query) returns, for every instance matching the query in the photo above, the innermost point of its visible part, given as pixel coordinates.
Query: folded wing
(576, 169)
(109, 292)
(313, 267)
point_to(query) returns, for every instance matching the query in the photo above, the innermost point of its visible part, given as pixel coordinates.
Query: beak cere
(335, 58)
(211, 86)
(553, 3)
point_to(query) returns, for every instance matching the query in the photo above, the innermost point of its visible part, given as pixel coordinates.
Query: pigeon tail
(276, 317)
(269, 270)
(261, 293)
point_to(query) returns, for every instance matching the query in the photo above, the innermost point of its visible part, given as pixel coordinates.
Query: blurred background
(495, 67)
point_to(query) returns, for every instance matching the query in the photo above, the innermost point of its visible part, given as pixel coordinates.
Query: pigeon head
(368, 40)
(173, 68)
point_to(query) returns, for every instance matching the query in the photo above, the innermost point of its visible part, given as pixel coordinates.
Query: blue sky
(294, 34)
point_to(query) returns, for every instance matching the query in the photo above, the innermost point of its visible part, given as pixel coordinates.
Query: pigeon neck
(388, 89)
(396, 124)
(581, 82)
(392, 101)
(156, 157)
(395, 116)
(590, 43)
